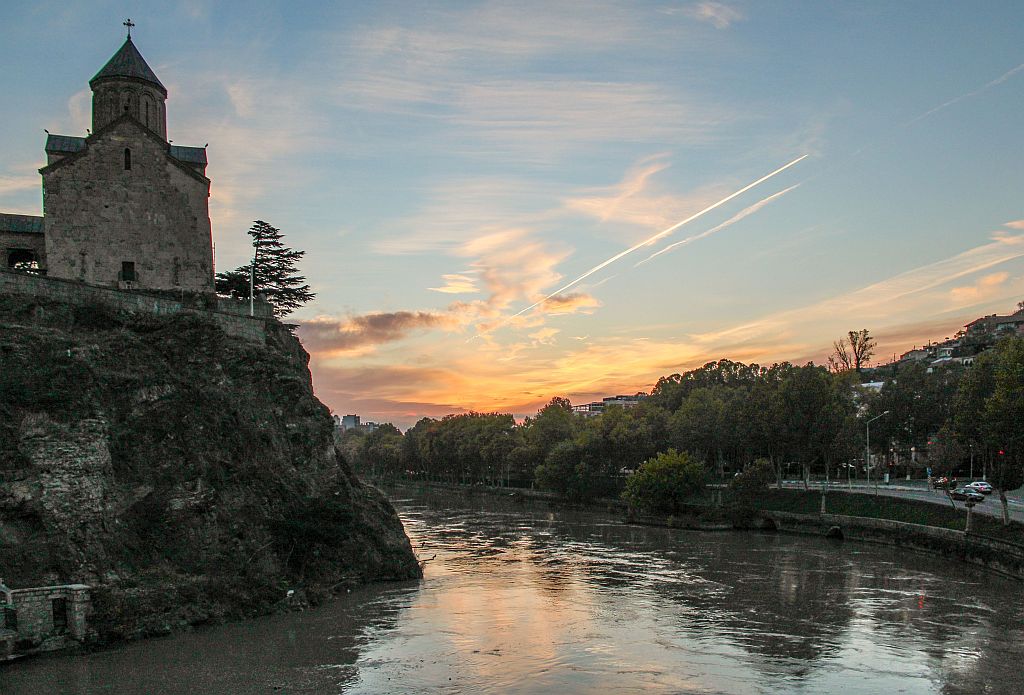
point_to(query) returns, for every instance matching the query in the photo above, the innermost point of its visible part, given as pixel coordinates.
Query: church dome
(127, 64)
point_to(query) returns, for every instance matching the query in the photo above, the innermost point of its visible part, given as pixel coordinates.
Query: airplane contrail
(988, 85)
(719, 227)
(649, 241)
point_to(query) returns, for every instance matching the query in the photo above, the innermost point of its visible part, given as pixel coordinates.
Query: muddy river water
(523, 599)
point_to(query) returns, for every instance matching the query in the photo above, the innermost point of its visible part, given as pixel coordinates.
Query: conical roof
(128, 64)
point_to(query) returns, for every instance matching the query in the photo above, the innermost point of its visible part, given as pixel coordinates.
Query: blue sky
(446, 165)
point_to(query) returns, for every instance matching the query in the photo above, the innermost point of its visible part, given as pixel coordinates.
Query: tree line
(803, 421)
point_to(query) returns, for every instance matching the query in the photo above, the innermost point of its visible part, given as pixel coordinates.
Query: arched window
(127, 159)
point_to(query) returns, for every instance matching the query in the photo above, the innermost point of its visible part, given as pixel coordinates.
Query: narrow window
(127, 159)
(128, 271)
(60, 615)
(149, 123)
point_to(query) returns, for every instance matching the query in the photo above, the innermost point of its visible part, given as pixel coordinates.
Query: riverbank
(887, 521)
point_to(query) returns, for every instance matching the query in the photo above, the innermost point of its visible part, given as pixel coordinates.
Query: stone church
(122, 207)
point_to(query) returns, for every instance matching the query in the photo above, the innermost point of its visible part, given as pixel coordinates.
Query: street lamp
(252, 274)
(867, 448)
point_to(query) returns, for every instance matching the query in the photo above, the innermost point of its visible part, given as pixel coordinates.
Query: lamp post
(867, 448)
(252, 273)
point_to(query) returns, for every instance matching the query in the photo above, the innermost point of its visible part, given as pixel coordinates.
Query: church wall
(98, 215)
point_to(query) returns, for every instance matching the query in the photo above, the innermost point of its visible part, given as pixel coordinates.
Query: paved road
(918, 490)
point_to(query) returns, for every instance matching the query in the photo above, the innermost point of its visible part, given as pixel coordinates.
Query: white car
(981, 486)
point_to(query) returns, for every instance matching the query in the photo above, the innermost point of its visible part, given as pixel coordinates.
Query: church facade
(122, 207)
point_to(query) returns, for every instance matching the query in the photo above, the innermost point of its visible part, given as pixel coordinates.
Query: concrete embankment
(997, 555)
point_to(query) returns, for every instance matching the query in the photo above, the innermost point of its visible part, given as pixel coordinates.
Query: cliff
(186, 475)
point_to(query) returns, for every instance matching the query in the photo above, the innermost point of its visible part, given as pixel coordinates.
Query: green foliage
(664, 483)
(564, 473)
(753, 480)
(379, 452)
(276, 275)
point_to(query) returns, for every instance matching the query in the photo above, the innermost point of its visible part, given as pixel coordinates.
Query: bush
(752, 481)
(664, 483)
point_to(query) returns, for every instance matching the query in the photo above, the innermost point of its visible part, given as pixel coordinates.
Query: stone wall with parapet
(231, 315)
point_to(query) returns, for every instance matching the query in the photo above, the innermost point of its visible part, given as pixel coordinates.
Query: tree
(554, 423)
(565, 473)
(852, 352)
(380, 451)
(664, 483)
(276, 276)
(1004, 413)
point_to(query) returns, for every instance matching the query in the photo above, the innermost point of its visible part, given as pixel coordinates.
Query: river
(518, 598)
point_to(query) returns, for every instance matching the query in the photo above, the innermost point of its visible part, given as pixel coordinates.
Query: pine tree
(276, 276)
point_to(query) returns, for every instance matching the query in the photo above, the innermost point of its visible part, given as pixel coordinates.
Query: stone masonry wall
(35, 611)
(98, 214)
(229, 314)
(11, 241)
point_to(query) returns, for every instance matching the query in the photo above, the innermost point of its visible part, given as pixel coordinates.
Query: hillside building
(122, 207)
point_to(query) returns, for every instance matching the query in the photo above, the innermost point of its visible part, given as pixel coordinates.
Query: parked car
(941, 483)
(981, 486)
(966, 494)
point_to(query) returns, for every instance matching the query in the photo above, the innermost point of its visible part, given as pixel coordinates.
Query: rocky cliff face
(186, 475)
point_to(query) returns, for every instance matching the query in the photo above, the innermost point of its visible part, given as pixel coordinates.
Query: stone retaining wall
(1001, 556)
(229, 314)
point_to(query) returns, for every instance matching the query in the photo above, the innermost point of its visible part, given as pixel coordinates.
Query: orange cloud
(986, 287)
(572, 303)
(456, 283)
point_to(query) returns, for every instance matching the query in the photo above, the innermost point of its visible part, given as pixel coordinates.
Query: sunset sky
(447, 165)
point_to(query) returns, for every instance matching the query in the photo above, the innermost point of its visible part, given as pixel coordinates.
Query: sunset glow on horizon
(464, 176)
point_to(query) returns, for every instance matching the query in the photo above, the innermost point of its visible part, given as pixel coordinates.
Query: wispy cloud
(574, 302)
(718, 14)
(25, 182)
(986, 287)
(637, 201)
(881, 303)
(456, 283)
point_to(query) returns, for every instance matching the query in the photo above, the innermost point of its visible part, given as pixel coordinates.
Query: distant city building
(352, 422)
(596, 408)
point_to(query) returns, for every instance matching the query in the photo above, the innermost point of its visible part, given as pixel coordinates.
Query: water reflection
(523, 599)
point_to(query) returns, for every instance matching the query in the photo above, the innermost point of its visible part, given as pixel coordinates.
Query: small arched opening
(769, 524)
(834, 532)
(127, 159)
